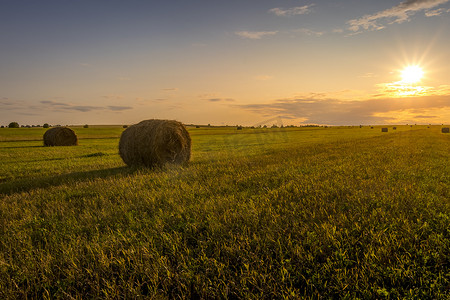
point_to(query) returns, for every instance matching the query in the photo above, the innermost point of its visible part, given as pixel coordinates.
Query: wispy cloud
(53, 103)
(436, 12)
(7, 104)
(397, 14)
(309, 32)
(60, 106)
(255, 35)
(220, 100)
(371, 111)
(298, 10)
(119, 108)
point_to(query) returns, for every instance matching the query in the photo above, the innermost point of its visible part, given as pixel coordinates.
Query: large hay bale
(384, 129)
(155, 142)
(445, 130)
(60, 136)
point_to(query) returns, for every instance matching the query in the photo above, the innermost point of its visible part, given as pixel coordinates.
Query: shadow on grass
(25, 185)
(23, 147)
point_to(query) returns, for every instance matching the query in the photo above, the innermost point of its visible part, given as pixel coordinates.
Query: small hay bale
(445, 130)
(384, 129)
(60, 136)
(153, 143)
(395, 128)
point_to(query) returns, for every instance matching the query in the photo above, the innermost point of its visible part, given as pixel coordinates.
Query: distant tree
(125, 126)
(46, 125)
(2, 126)
(13, 125)
(86, 126)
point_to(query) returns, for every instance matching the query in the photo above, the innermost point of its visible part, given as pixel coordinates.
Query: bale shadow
(25, 185)
(22, 147)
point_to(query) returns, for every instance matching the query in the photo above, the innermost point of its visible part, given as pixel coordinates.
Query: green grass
(258, 213)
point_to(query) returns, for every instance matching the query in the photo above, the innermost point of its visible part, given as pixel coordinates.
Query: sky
(234, 62)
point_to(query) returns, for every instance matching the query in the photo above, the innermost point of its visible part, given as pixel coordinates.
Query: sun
(412, 74)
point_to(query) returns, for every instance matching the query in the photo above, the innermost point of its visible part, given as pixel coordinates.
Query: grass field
(343, 212)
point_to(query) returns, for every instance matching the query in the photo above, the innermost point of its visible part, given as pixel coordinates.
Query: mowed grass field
(339, 212)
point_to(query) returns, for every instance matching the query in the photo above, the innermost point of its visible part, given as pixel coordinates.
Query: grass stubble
(287, 213)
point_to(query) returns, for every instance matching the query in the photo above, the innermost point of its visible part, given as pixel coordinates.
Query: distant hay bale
(155, 142)
(60, 136)
(384, 129)
(445, 130)
(395, 128)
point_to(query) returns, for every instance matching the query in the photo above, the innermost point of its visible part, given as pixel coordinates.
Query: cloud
(299, 10)
(83, 108)
(397, 14)
(424, 117)
(255, 35)
(309, 32)
(370, 111)
(220, 100)
(53, 103)
(170, 89)
(8, 104)
(60, 106)
(119, 108)
(436, 12)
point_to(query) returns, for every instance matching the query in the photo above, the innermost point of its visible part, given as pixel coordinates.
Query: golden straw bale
(155, 142)
(60, 136)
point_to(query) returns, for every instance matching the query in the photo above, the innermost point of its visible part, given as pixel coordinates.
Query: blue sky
(223, 62)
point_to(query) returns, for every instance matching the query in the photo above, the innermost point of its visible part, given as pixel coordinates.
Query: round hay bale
(60, 136)
(384, 129)
(155, 142)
